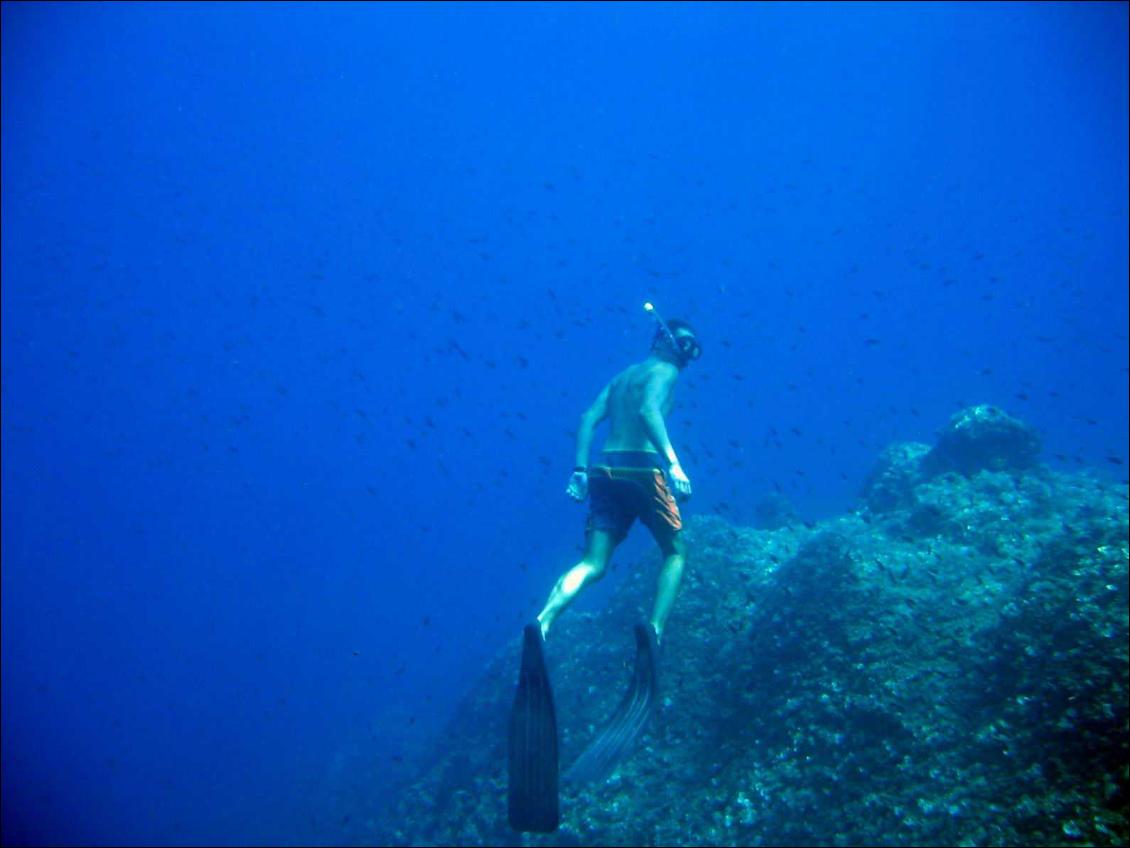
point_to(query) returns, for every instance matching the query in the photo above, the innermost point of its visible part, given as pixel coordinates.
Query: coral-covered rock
(983, 438)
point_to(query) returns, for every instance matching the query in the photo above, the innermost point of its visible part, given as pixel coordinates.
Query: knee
(595, 570)
(579, 575)
(676, 546)
(676, 554)
(596, 560)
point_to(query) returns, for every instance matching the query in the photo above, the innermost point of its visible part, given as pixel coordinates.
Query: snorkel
(650, 309)
(684, 358)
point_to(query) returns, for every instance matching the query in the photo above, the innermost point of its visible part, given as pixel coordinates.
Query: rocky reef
(945, 665)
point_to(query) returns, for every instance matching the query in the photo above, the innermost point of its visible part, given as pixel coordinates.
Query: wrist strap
(582, 469)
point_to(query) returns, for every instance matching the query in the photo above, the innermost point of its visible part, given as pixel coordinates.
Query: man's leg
(599, 547)
(674, 558)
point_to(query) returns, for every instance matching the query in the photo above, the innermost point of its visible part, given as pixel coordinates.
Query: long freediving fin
(630, 718)
(533, 790)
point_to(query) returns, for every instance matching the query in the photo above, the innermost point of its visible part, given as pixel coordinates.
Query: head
(687, 340)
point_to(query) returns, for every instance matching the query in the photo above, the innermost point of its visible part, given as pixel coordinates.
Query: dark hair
(688, 347)
(675, 324)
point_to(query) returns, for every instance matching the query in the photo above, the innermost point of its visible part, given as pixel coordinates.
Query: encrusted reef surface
(946, 665)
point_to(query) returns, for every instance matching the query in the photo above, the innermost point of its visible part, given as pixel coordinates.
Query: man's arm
(655, 396)
(589, 419)
(651, 411)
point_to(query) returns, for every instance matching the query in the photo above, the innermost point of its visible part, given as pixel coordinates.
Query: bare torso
(626, 430)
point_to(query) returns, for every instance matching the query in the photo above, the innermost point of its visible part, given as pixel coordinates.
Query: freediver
(628, 481)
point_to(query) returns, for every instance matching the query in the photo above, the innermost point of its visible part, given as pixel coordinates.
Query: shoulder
(660, 372)
(658, 378)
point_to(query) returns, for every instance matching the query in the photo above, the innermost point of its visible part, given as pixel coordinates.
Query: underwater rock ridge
(945, 665)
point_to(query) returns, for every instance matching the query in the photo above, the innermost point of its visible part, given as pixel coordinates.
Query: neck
(658, 357)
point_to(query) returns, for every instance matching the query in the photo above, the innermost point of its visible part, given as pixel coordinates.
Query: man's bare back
(627, 392)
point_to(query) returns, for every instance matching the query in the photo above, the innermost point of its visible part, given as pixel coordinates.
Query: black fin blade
(628, 722)
(533, 792)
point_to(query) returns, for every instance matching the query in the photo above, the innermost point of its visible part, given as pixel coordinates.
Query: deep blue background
(301, 305)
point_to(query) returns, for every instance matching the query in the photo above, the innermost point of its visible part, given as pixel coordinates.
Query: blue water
(301, 305)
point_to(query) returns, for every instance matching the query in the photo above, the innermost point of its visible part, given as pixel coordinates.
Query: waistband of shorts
(630, 459)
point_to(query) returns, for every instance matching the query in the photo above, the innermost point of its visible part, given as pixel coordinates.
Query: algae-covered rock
(952, 672)
(980, 438)
(775, 511)
(897, 471)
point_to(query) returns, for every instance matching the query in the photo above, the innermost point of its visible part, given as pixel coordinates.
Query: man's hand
(578, 488)
(680, 480)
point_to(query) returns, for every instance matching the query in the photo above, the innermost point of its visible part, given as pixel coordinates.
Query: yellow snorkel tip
(647, 307)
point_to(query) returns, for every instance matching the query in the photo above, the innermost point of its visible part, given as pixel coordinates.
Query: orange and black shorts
(626, 485)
